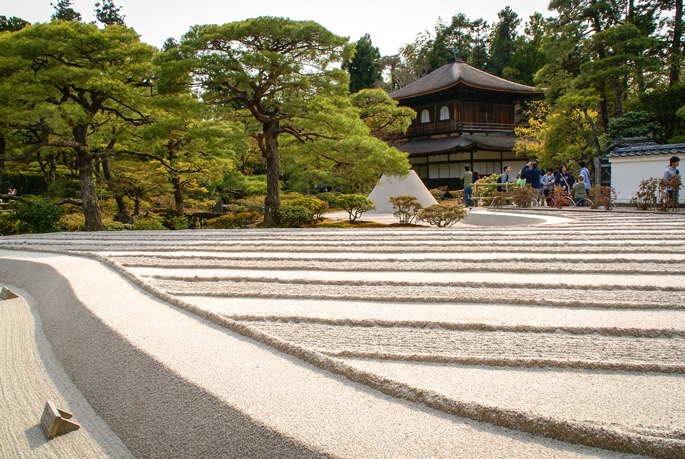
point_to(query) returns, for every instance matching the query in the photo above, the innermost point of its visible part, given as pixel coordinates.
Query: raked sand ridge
(553, 340)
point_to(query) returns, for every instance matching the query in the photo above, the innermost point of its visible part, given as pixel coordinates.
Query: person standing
(580, 192)
(563, 179)
(547, 181)
(533, 174)
(670, 172)
(467, 179)
(586, 176)
(505, 178)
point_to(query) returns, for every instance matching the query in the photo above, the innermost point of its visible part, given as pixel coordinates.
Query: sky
(390, 24)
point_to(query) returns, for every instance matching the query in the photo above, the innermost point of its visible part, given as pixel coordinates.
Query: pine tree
(64, 11)
(363, 67)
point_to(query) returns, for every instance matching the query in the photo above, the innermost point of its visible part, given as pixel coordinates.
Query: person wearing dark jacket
(533, 174)
(563, 179)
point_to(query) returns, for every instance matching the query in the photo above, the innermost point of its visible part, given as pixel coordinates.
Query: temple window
(425, 117)
(444, 113)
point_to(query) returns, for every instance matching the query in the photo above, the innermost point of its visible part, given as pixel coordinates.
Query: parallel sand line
(200, 280)
(673, 267)
(609, 247)
(495, 348)
(625, 299)
(568, 431)
(544, 426)
(464, 326)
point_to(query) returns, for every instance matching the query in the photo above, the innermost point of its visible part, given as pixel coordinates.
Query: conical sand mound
(388, 187)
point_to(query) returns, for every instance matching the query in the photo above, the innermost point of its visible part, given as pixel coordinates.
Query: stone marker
(7, 294)
(55, 422)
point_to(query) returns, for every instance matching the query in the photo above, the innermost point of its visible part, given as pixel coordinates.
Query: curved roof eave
(530, 93)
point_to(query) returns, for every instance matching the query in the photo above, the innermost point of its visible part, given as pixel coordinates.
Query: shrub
(645, 197)
(354, 204)
(441, 215)
(294, 215)
(407, 207)
(8, 224)
(230, 221)
(328, 196)
(148, 224)
(498, 198)
(602, 196)
(523, 196)
(438, 194)
(487, 191)
(316, 206)
(38, 216)
(112, 225)
(252, 203)
(177, 223)
(72, 222)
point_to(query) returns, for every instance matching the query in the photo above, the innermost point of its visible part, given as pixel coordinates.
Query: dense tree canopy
(64, 83)
(364, 66)
(280, 76)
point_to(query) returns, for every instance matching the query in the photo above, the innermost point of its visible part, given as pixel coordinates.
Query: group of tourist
(544, 183)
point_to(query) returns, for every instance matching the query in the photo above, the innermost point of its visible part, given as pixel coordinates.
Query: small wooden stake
(55, 422)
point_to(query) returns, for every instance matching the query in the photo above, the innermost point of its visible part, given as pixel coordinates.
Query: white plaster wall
(628, 172)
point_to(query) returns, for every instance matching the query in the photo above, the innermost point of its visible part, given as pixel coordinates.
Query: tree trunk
(273, 173)
(91, 208)
(178, 194)
(676, 55)
(122, 216)
(3, 146)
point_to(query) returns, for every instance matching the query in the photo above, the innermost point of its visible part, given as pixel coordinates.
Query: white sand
(548, 352)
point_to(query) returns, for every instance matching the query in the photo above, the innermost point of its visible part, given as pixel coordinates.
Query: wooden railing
(440, 127)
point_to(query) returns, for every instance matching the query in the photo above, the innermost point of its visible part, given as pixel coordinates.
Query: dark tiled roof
(446, 144)
(453, 73)
(648, 150)
(622, 142)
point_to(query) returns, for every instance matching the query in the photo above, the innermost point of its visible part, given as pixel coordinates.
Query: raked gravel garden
(561, 339)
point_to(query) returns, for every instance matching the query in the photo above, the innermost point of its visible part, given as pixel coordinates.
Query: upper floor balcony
(458, 127)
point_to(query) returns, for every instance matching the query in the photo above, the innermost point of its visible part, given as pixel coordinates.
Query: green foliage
(72, 222)
(230, 221)
(111, 225)
(149, 224)
(316, 206)
(38, 216)
(444, 214)
(363, 67)
(12, 24)
(177, 223)
(633, 124)
(407, 208)
(64, 11)
(354, 204)
(438, 193)
(292, 216)
(108, 13)
(381, 114)
(252, 203)
(8, 224)
(328, 196)
(488, 191)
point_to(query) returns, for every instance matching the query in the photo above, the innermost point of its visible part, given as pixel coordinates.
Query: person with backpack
(532, 174)
(505, 178)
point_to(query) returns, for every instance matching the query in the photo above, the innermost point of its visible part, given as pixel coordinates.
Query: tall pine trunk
(273, 173)
(178, 194)
(676, 46)
(89, 198)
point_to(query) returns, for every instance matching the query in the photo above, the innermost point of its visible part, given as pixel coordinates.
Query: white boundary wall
(628, 172)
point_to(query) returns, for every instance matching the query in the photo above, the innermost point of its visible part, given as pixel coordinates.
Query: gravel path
(573, 331)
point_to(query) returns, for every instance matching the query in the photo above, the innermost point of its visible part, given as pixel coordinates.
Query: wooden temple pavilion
(465, 117)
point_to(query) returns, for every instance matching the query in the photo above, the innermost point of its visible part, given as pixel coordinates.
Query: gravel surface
(571, 331)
